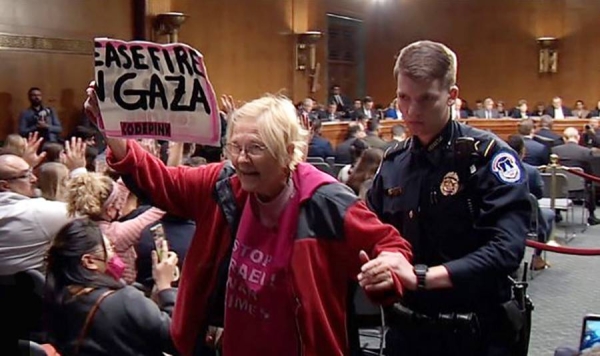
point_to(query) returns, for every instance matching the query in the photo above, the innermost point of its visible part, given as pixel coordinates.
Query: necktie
(487, 114)
(338, 99)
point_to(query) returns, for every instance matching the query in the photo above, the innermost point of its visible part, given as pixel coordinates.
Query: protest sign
(151, 90)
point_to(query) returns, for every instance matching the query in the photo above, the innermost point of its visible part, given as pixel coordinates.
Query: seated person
(536, 187)
(357, 148)
(91, 312)
(178, 232)
(392, 112)
(319, 146)
(365, 169)
(14, 144)
(103, 200)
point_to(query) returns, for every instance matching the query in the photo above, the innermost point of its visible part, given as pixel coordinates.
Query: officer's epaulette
(396, 149)
(485, 146)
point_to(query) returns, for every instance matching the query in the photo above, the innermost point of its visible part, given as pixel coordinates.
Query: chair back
(330, 161)
(575, 183)
(22, 294)
(561, 185)
(534, 220)
(323, 167)
(315, 160)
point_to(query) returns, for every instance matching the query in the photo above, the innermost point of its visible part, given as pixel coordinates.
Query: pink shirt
(260, 307)
(125, 235)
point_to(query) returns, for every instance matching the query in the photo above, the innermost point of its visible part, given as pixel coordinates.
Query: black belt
(405, 315)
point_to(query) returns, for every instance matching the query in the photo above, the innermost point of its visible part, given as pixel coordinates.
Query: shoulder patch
(398, 148)
(507, 168)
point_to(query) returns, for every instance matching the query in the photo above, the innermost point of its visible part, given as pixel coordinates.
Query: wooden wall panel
(62, 77)
(495, 43)
(248, 46)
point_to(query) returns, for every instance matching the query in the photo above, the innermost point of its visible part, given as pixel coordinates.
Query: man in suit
(306, 109)
(545, 131)
(536, 187)
(595, 112)
(457, 111)
(540, 109)
(398, 135)
(356, 110)
(536, 154)
(488, 111)
(342, 102)
(372, 138)
(521, 111)
(343, 152)
(319, 146)
(367, 108)
(557, 110)
(571, 154)
(591, 134)
(331, 113)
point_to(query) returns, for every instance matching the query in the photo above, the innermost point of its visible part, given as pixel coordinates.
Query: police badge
(449, 184)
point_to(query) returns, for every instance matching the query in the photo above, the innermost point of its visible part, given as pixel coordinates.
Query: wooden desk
(335, 132)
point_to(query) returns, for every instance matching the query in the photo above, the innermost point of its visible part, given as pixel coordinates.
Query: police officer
(459, 196)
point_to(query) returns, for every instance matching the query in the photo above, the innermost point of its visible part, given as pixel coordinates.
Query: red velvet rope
(564, 250)
(583, 174)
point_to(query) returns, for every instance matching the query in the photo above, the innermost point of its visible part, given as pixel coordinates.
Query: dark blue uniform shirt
(469, 214)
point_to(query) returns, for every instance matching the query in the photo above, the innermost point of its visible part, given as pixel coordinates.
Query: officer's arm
(502, 225)
(375, 196)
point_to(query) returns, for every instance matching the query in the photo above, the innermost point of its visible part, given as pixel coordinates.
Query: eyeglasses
(28, 174)
(254, 150)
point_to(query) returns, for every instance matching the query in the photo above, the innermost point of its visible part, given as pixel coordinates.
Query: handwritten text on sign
(149, 90)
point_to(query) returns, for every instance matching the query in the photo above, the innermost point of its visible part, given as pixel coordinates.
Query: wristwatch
(421, 272)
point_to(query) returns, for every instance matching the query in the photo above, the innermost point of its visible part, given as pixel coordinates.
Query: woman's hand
(376, 274)
(164, 272)
(214, 337)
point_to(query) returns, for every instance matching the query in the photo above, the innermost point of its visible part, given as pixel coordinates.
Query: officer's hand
(376, 275)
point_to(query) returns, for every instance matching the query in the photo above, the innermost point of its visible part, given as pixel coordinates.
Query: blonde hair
(52, 178)
(278, 127)
(87, 194)
(15, 144)
(427, 60)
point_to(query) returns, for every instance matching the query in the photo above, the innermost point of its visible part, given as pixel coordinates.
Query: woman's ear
(88, 261)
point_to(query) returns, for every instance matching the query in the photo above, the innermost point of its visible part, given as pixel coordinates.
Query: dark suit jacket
(534, 180)
(343, 153)
(566, 111)
(593, 113)
(325, 116)
(481, 114)
(555, 138)
(536, 154)
(346, 102)
(375, 141)
(517, 114)
(571, 154)
(320, 147)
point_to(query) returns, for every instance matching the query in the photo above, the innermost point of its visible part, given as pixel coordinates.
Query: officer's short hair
(546, 121)
(427, 60)
(353, 130)
(517, 143)
(525, 127)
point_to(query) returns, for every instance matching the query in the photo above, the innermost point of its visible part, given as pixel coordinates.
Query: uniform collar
(443, 139)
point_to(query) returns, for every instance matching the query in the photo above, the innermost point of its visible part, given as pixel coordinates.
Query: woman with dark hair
(365, 169)
(90, 311)
(356, 150)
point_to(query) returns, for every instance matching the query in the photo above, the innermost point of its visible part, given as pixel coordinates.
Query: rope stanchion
(564, 250)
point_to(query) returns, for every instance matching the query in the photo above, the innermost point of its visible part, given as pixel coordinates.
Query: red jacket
(335, 227)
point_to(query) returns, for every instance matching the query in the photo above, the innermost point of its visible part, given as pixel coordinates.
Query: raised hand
(74, 154)
(32, 146)
(91, 107)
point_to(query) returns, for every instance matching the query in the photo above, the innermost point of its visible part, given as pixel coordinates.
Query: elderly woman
(281, 239)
